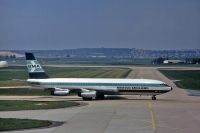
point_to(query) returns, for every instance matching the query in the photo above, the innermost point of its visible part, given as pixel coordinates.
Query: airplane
(92, 88)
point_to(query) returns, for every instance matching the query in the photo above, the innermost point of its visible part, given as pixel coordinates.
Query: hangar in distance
(92, 88)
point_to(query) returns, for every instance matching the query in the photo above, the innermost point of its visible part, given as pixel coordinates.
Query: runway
(174, 112)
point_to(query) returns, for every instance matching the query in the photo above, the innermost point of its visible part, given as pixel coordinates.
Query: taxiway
(174, 112)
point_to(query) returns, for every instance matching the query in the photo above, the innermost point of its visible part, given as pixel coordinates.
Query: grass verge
(13, 105)
(19, 72)
(24, 92)
(18, 124)
(187, 79)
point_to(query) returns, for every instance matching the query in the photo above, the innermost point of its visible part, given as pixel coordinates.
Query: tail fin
(34, 69)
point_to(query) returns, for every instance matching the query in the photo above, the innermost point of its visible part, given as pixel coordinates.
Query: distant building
(173, 62)
(3, 64)
(9, 54)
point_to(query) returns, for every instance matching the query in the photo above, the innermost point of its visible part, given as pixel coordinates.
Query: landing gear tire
(153, 97)
(87, 99)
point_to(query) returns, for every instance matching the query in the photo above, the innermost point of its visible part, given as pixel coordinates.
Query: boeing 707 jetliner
(92, 88)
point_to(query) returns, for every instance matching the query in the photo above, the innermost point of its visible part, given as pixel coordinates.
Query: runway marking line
(153, 116)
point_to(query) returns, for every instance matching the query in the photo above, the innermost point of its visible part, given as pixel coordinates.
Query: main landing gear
(87, 98)
(100, 97)
(153, 97)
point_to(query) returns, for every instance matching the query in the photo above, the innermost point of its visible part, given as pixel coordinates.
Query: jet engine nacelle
(60, 92)
(88, 94)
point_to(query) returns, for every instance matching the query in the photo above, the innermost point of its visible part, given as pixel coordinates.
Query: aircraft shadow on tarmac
(108, 97)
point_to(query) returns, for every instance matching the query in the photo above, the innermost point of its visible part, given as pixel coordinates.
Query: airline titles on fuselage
(132, 88)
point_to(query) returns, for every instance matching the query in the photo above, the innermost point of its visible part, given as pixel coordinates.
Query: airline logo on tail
(34, 66)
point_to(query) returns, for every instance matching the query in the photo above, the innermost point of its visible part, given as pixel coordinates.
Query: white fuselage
(106, 85)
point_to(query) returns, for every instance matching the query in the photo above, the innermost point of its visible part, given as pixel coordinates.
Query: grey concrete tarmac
(174, 112)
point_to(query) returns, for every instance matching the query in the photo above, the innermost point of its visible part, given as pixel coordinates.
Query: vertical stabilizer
(34, 68)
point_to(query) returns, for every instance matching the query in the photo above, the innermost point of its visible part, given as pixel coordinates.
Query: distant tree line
(159, 60)
(192, 60)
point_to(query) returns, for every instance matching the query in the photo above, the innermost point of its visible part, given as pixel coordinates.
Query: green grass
(13, 105)
(16, 124)
(8, 74)
(13, 73)
(24, 92)
(87, 72)
(189, 79)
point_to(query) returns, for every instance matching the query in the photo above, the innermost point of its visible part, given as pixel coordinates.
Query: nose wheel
(153, 98)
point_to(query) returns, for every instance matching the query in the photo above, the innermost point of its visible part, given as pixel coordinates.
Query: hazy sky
(63, 24)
